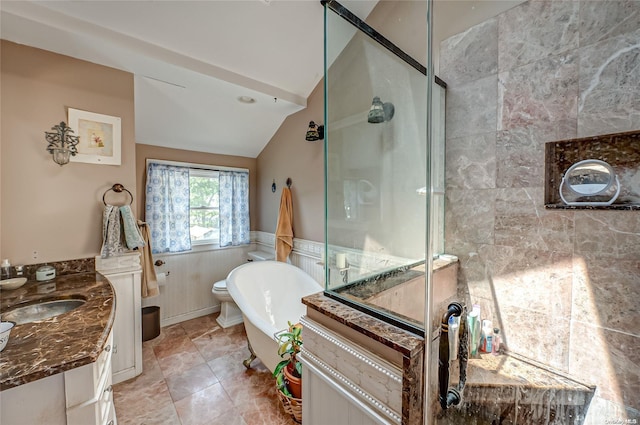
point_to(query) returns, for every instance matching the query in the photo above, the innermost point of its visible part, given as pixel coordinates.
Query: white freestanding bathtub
(269, 295)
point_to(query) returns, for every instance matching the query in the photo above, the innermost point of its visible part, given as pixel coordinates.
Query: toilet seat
(220, 286)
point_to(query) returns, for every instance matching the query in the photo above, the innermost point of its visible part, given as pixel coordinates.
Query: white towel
(111, 232)
(131, 231)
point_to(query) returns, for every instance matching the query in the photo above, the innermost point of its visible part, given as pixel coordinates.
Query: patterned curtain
(167, 207)
(234, 208)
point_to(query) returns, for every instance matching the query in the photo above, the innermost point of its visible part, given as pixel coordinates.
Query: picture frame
(99, 136)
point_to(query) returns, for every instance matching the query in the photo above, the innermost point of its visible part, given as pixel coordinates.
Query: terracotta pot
(293, 382)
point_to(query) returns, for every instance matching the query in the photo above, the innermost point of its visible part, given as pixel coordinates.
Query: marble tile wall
(563, 285)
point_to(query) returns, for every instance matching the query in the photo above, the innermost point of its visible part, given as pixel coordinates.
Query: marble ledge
(402, 341)
(614, 207)
(508, 372)
(365, 289)
(64, 342)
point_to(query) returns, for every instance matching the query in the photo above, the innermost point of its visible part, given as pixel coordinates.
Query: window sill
(203, 248)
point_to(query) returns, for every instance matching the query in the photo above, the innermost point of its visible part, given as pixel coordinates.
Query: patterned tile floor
(193, 374)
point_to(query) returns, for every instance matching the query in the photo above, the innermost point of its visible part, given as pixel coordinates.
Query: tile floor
(193, 374)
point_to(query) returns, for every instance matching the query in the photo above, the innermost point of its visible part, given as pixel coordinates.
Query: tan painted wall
(288, 154)
(144, 152)
(56, 211)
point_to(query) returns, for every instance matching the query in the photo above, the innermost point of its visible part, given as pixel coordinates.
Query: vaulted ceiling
(192, 61)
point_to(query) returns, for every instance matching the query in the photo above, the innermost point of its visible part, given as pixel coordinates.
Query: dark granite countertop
(405, 342)
(61, 343)
(371, 286)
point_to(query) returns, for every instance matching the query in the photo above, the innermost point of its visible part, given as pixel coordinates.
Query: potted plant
(288, 372)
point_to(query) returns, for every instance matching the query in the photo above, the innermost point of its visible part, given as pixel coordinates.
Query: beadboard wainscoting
(306, 255)
(186, 293)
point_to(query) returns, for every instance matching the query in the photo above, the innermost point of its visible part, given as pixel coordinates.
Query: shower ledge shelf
(509, 378)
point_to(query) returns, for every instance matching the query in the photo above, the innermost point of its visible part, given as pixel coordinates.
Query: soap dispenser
(6, 269)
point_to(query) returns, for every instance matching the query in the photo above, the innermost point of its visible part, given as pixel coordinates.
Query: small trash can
(150, 322)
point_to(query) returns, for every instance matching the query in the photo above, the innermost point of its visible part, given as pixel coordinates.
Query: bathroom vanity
(62, 365)
(359, 369)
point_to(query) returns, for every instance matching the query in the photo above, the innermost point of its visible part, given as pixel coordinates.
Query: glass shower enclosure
(545, 283)
(377, 162)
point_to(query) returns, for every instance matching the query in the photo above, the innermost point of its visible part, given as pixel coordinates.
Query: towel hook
(118, 188)
(289, 181)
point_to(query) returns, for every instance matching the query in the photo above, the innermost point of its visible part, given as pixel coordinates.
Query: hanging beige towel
(284, 229)
(149, 279)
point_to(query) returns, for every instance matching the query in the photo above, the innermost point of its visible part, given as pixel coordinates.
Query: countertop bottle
(6, 269)
(473, 325)
(487, 336)
(495, 349)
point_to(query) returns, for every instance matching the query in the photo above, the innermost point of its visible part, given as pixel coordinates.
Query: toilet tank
(260, 255)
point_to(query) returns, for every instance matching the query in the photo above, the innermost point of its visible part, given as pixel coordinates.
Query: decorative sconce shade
(314, 132)
(62, 143)
(380, 112)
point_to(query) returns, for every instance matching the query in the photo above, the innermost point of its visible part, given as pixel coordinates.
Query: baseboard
(188, 316)
(125, 375)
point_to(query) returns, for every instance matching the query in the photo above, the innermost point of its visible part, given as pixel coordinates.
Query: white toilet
(230, 314)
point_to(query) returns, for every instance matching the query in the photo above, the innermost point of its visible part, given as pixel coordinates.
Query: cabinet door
(127, 327)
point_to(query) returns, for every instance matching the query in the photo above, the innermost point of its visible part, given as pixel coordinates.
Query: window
(196, 204)
(204, 206)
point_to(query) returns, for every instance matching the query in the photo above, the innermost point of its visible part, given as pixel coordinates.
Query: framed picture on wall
(99, 137)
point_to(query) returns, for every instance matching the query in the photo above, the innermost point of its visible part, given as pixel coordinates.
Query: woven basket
(293, 406)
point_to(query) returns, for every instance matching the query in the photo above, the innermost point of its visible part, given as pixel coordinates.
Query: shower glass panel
(377, 160)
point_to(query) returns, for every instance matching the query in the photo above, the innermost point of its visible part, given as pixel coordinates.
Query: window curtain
(167, 207)
(234, 208)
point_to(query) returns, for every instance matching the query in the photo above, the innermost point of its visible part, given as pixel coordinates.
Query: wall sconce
(62, 144)
(380, 112)
(314, 132)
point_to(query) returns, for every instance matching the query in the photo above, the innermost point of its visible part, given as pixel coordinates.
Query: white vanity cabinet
(88, 391)
(124, 273)
(80, 396)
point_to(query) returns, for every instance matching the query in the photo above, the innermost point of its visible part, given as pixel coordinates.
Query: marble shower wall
(563, 285)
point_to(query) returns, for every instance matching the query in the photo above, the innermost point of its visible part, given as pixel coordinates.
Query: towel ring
(118, 188)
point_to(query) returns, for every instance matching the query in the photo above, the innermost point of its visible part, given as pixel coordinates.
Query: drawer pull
(110, 422)
(108, 389)
(107, 348)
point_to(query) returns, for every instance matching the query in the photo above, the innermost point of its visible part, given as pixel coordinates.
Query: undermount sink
(41, 310)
